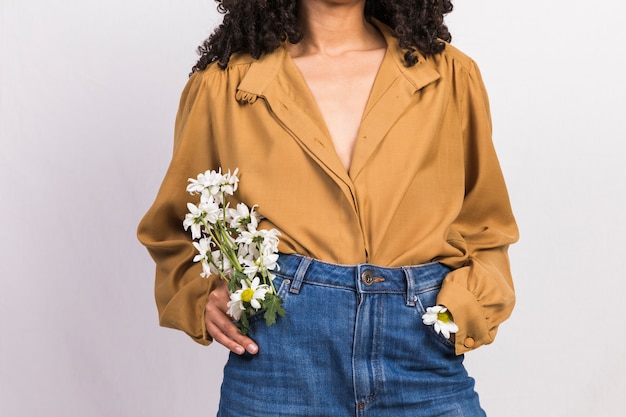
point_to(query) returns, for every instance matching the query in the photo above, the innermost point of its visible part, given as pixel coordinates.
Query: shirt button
(367, 277)
(469, 342)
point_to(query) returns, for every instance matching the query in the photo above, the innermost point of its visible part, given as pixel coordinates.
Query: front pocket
(425, 299)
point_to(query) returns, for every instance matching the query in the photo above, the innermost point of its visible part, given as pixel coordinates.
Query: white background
(88, 95)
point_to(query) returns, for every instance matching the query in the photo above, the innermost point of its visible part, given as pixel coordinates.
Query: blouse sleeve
(180, 292)
(480, 294)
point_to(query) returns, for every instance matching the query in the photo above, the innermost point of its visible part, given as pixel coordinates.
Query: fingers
(220, 326)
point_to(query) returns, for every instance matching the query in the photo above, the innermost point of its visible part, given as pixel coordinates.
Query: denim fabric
(352, 344)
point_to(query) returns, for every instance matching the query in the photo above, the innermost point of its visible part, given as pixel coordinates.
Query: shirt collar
(419, 75)
(264, 70)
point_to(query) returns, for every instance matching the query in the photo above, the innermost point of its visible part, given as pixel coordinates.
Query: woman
(365, 139)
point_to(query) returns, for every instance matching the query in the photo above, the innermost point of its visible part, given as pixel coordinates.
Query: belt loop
(410, 286)
(299, 275)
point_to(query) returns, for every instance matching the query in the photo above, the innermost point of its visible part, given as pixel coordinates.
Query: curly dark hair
(258, 27)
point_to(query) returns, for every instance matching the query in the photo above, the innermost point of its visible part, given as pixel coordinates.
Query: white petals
(203, 246)
(248, 295)
(441, 320)
(242, 218)
(235, 308)
(214, 183)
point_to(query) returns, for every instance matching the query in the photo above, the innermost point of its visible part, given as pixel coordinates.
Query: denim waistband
(362, 278)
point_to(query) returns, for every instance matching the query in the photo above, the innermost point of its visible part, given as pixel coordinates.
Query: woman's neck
(333, 28)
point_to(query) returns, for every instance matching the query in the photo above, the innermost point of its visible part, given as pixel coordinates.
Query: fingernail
(239, 350)
(252, 348)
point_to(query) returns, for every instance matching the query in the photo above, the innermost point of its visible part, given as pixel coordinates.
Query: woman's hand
(220, 326)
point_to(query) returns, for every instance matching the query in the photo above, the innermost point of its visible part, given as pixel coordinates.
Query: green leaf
(273, 305)
(239, 276)
(233, 285)
(243, 325)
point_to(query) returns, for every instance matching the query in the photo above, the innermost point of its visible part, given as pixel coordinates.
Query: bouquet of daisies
(230, 246)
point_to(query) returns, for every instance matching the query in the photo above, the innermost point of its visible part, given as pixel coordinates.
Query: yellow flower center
(444, 317)
(247, 294)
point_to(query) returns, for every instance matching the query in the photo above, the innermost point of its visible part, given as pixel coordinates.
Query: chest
(341, 88)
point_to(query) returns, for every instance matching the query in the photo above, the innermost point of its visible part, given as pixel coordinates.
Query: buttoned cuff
(468, 315)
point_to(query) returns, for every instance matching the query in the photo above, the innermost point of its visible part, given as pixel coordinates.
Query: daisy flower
(440, 317)
(208, 181)
(243, 218)
(247, 295)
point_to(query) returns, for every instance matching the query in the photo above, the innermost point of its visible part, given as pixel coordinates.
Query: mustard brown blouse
(424, 185)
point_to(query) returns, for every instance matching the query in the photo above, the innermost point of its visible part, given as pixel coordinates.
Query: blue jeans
(352, 344)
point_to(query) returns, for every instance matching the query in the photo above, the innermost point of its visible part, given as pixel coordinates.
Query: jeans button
(367, 277)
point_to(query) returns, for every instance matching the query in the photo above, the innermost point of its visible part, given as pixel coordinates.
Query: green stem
(263, 270)
(225, 244)
(216, 241)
